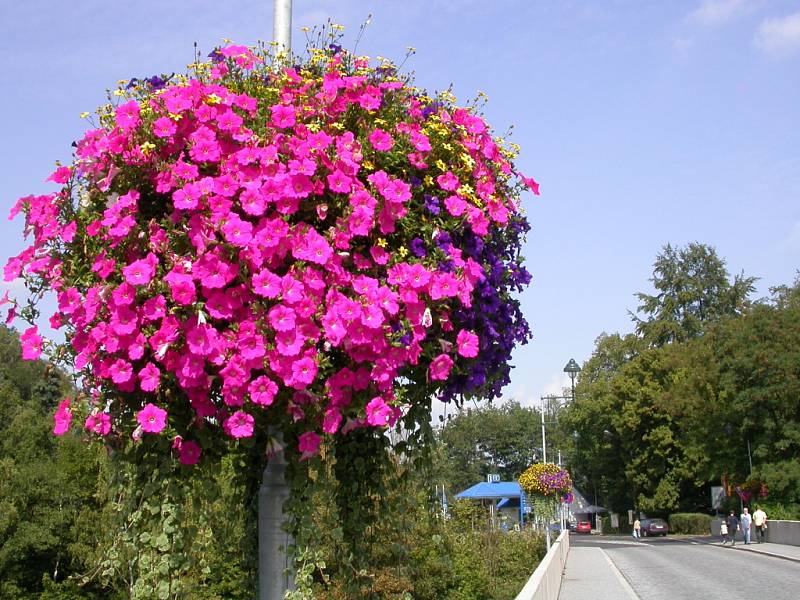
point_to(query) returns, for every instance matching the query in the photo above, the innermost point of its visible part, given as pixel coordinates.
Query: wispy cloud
(714, 12)
(779, 36)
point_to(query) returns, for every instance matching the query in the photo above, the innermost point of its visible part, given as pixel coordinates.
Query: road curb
(765, 553)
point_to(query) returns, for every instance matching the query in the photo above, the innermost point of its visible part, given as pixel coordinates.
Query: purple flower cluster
(495, 316)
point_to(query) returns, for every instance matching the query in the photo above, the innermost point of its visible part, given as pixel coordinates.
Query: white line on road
(623, 582)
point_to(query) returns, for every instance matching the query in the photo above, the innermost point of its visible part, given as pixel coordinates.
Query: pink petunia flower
(440, 367)
(189, 452)
(448, 181)
(262, 390)
(140, 272)
(282, 318)
(308, 443)
(31, 343)
(62, 417)
(378, 412)
(152, 419)
(99, 423)
(283, 116)
(381, 140)
(467, 343)
(149, 378)
(239, 425)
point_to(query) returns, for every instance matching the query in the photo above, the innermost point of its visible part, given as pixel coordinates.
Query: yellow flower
(147, 147)
(465, 190)
(119, 93)
(428, 180)
(440, 165)
(367, 164)
(380, 242)
(402, 251)
(213, 99)
(85, 115)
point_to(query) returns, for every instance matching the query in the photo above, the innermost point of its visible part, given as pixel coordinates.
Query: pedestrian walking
(760, 521)
(733, 526)
(723, 531)
(746, 521)
(637, 529)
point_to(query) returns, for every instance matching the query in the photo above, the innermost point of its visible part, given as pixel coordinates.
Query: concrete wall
(545, 583)
(778, 532)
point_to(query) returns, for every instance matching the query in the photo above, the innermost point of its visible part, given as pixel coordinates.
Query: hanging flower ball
(314, 247)
(546, 479)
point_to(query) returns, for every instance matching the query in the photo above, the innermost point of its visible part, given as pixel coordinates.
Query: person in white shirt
(746, 522)
(760, 521)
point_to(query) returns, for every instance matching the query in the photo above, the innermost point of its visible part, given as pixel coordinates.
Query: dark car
(583, 527)
(654, 527)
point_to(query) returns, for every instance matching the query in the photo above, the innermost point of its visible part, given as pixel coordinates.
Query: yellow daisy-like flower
(402, 251)
(380, 242)
(440, 165)
(147, 147)
(212, 99)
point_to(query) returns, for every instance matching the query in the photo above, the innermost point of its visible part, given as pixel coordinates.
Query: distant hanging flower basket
(546, 484)
(314, 247)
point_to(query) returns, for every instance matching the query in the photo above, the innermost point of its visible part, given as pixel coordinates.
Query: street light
(572, 369)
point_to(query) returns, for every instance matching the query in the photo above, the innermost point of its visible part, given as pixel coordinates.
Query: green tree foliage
(661, 415)
(501, 439)
(692, 290)
(48, 512)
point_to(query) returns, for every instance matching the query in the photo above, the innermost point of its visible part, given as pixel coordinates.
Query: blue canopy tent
(500, 493)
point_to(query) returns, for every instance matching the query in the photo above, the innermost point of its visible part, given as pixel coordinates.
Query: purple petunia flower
(417, 247)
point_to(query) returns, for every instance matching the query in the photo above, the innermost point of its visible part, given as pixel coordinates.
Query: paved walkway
(591, 575)
(768, 548)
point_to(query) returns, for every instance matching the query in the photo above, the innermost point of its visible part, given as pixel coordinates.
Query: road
(685, 569)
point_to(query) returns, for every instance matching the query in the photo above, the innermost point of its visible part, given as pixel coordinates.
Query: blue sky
(646, 123)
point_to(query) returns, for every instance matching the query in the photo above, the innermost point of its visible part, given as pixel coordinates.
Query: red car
(583, 527)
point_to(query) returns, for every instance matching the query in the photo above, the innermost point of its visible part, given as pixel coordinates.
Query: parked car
(583, 527)
(654, 527)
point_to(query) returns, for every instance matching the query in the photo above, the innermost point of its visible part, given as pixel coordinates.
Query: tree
(692, 290)
(498, 439)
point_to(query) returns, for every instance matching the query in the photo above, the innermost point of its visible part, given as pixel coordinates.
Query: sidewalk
(591, 574)
(775, 550)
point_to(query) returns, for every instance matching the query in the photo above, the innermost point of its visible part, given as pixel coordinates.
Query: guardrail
(778, 532)
(545, 583)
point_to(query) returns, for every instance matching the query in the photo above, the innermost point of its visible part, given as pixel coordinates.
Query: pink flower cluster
(240, 254)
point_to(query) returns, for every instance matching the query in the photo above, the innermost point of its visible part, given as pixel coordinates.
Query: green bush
(780, 512)
(690, 523)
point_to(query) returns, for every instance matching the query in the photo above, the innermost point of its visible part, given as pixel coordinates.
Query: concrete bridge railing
(778, 532)
(545, 583)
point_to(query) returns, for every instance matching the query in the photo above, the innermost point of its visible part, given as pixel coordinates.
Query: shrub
(690, 523)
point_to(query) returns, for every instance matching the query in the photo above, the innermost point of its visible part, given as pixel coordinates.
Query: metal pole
(282, 25)
(544, 436)
(749, 457)
(274, 561)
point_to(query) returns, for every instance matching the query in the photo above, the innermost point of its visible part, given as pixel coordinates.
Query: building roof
(500, 489)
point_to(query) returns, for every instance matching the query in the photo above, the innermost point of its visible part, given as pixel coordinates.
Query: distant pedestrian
(760, 521)
(723, 531)
(637, 529)
(746, 522)
(733, 526)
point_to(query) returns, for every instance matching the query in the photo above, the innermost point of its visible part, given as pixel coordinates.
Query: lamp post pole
(274, 561)
(282, 25)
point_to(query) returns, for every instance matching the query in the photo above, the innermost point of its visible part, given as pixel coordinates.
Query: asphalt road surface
(685, 569)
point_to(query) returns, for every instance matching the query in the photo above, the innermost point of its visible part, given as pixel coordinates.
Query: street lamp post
(572, 369)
